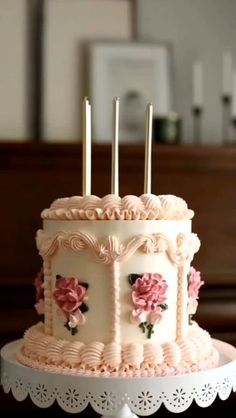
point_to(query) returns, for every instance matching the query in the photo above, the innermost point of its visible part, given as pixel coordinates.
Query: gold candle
(148, 149)
(115, 149)
(86, 185)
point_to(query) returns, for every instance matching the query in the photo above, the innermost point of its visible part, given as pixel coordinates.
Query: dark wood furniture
(33, 175)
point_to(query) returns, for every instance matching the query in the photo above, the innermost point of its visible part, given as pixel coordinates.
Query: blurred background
(48, 65)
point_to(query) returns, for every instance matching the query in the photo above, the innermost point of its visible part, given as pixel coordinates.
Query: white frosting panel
(98, 275)
(67, 263)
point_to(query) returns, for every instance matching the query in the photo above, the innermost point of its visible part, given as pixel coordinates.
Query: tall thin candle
(115, 149)
(86, 186)
(227, 74)
(148, 149)
(197, 85)
(234, 96)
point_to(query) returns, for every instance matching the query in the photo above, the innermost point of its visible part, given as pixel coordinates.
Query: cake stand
(116, 396)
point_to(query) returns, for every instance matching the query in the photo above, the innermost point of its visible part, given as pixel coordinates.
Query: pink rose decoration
(149, 294)
(149, 291)
(69, 294)
(195, 283)
(38, 283)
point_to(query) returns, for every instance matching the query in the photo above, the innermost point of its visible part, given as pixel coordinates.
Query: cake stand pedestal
(116, 396)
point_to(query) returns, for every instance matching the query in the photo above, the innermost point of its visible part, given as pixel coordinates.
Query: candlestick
(227, 74)
(234, 130)
(86, 185)
(115, 149)
(226, 95)
(234, 95)
(226, 106)
(197, 125)
(197, 85)
(233, 109)
(148, 149)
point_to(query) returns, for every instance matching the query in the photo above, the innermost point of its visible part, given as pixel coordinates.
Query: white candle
(227, 74)
(148, 149)
(86, 186)
(197, 85)
(234, 96)
(115, 149)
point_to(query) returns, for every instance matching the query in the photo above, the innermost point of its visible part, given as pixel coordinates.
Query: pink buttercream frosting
(191, 353)
(111, 207)
(71, 353)
(149, 291)
(69, 294)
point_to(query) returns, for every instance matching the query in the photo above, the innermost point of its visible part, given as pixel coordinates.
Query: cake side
(105, 254)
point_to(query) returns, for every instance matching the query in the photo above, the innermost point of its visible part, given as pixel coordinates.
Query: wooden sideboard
(33, 175)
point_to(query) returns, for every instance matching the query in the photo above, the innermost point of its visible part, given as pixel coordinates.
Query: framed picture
(137, 73)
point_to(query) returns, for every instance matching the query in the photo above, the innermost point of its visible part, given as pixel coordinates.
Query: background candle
(234, 96)
(197, 85)
(227, 74)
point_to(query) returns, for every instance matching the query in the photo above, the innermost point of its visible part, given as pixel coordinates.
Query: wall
(197, 29)
(68, 26)
(13, 69)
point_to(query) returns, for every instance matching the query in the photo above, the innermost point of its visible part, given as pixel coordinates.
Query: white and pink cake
(117, 289)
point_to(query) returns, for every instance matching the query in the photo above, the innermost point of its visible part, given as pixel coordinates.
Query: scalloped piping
(134, 359)
(111, 207)
(111, 250)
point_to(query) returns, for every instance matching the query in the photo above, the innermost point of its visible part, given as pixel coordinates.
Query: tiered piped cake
(117, 289)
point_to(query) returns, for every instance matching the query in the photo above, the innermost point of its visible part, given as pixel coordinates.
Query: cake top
(112, 207)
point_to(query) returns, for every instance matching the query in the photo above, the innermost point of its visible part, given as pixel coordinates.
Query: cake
(117, 290)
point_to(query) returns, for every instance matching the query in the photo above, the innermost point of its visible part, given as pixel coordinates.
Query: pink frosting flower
(38, 283)
(195, 283)
(138, 316)
(149, 294)
(149, 291)
(192, 306)
(69, 294)
(76, 318)
(39, 306)
(155, 317)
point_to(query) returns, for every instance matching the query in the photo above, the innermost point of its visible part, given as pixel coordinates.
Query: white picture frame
(137, 73)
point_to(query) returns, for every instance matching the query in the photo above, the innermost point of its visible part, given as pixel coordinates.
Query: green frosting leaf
(133, 277)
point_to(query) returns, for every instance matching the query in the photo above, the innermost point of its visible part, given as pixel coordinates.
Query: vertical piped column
(180, 305)
(47, 296)
(115, 283)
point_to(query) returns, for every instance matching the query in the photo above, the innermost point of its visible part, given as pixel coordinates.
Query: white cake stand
(119, 397)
